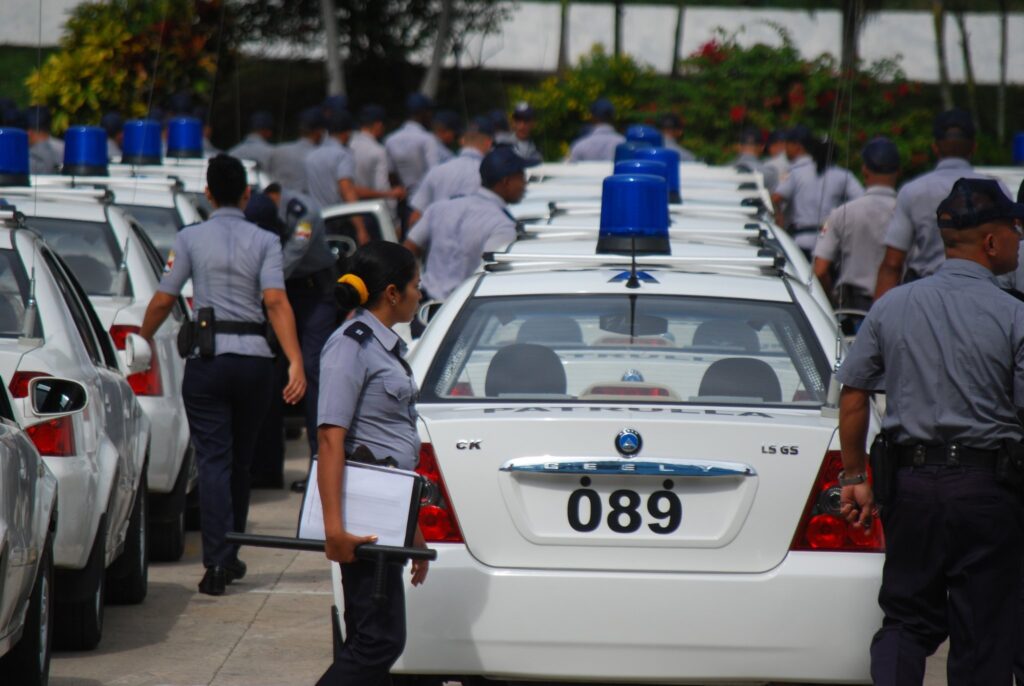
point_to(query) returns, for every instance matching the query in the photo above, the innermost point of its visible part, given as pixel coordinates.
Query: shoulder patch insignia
(170, 263)
(303, 230)
(359, 331)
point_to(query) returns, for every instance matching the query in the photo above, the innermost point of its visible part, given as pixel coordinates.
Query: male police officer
(598, 145)
(371, 158)
(412, 149)
(234, 265)
(456, 233)
(287, 163)
(913, 239)
(748, 158)
(671, 130)
(256, 146)
(854, 232)
(457, 176)
(523, 120)
(447, 127)
(46, 153)
(948, 350)
(113, 124)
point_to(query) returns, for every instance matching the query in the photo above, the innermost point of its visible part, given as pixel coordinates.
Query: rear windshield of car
(89, 249)
(635, 349)
(161, 224)
(13, 294)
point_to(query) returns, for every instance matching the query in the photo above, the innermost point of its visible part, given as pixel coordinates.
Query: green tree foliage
(128, 54)
(725, 87)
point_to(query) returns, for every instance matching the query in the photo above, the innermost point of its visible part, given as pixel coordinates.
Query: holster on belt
(1010, 466)
(884, 464)
(364, 455)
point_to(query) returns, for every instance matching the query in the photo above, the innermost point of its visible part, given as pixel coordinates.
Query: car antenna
(633, 281)
(122, 272)
(28, 326)
(831, 406)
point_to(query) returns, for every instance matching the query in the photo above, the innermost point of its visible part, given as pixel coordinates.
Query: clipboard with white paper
(378, 501)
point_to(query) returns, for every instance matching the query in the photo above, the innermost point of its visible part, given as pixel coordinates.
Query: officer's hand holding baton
(340, 545)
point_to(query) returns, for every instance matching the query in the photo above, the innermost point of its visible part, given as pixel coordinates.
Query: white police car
(634, 466)
(112, 258)
(28, 520)
(48, 328)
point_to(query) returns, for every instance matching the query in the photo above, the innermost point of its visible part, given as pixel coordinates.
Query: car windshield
(89, 249)
(161, 224)
(13, 294)
(628, 348)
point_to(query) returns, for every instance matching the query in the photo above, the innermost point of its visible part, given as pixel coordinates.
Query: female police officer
(367, 398)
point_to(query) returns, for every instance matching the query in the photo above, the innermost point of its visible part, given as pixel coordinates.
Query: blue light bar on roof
(142, 143)
(634, 215)
(670, 158)
(627, 151)
(652, 167)
(13, 157)
(644, 133)
(85, 151)
(185, 137)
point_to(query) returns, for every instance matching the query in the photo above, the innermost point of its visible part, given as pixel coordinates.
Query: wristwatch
(854, 480)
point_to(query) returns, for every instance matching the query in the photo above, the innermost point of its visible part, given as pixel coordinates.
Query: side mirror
(52, 396)
(138, 355)
(427, 311)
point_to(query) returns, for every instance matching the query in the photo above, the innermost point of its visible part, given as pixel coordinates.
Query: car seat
(730, 334)
(741, 377)
(550, 330)
(525, 368)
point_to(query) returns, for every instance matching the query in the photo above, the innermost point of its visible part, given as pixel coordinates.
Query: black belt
(241, 328)
(793, 229)
(946, 454)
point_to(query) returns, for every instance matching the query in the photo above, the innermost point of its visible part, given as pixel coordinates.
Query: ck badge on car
(628, 442)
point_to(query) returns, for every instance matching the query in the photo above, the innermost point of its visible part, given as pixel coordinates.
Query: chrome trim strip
(646, 467)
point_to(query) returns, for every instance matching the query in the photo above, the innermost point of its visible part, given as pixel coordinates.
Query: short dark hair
(379, 264)
(225, 177)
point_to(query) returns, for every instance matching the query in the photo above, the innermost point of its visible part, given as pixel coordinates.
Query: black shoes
(214, 581)
(299, 486)
(235, 570)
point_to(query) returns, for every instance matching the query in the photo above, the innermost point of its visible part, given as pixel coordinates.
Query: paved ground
(270, 629)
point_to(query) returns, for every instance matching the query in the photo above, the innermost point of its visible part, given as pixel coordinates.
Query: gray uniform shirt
(371, 160)
(365, 389)
(949, 352)
(412, 150)
(770, 175)
(253, 147)
(812, 197)
(854, 234)
(231, 262)
(305, 250)
(596, 146)
(287, 164)
(527, 150)
(44, 158)
(914, 228)
(113, 151)
(456, 233)
(325, 167)
(457, 176)
(444, 153)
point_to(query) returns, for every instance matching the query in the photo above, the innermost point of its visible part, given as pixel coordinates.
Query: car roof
(43, 204)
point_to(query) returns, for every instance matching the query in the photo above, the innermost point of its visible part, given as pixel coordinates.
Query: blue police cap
(953, 123)
(448, 119)
(311, 119)
(261, 120)
(370, 114)
(881, 156)
(602, 108)
(181, 103)
(112, 123)
(974, 202)
(799, 134)
(417, 102)
(482, 124)
(339, 121)
(38, 117)
(335, 103)
(524, 112)
(498, 120)
(500, 163)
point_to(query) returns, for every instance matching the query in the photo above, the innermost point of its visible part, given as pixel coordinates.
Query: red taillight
(19, 383)
(189, 299)
(462, 389)
(822, 527)
(54, 437)
(644, 391)
(437, 518)
(143, 383)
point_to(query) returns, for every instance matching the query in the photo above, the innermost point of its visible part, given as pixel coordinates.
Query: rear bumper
(809, 619)
(81, 505)
(168, 440)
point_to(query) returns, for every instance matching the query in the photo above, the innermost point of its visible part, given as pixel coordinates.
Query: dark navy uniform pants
(316, 318)
(952, 568)
(226, 399)
(374, 632)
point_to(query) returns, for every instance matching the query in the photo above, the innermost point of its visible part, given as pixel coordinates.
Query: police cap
(339, 121)
(602, 109)
(112, 123)
(371, 114)
(261, 121)
(38, 117)
(311, 119)
(799, 134)
(500, 163)
(954, 123)
(417, 102)
(498, 120)
(335, 103)
(670, 121)
(881, 156)
(524, 112)
(481, 124)
(974, 202)
(449, 120)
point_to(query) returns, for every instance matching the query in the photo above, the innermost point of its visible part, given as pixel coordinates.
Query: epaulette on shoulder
(359, 331)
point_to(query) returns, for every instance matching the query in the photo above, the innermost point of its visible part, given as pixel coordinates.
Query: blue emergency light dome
(185, 137)
(85, 151)
(627, 151)
(670, 158)
(643, 133)
(652, 167)
(13, 157)
(634, 214)
(142, 143)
